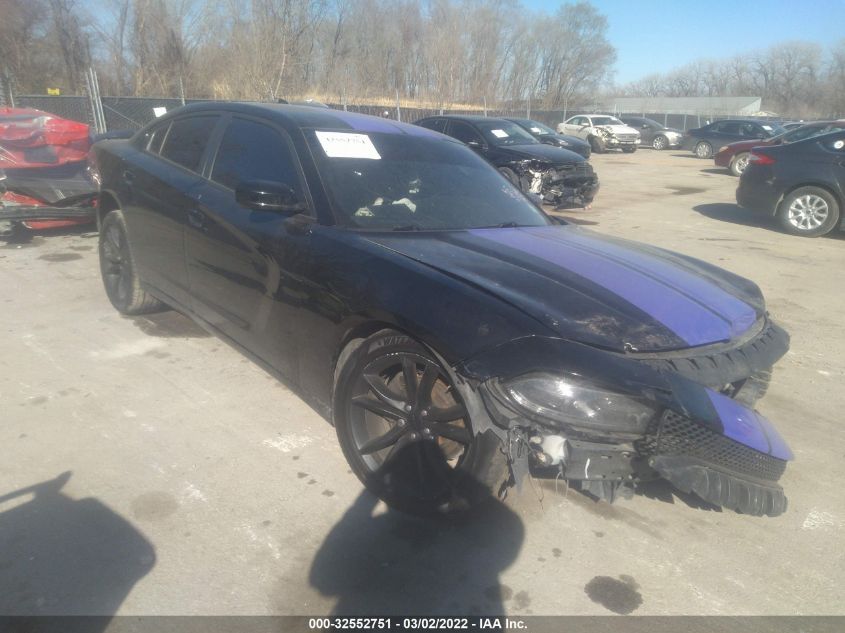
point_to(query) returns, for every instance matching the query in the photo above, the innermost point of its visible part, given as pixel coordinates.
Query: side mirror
(265, 195)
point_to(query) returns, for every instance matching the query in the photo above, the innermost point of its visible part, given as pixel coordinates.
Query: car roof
(307, 117)
(469, 118)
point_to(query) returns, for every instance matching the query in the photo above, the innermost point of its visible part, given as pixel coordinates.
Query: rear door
(242, 263)
(160, 182)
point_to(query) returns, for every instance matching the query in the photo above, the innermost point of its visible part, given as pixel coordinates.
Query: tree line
(798, 79)
(443, 52)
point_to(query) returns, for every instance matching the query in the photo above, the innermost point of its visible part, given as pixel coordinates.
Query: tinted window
(186, 141)
(464, 132)
(253, 151)
(438, 125)
(727, 127)
(420, 182)
(498, 132)
(606, 120)
(751, 130)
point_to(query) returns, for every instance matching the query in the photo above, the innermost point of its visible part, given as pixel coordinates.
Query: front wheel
(739, 163)
(660, 142)
(120, 278)
(597, 145)
(809, 211)
(703, 149)
(406, 433)
(629, 150)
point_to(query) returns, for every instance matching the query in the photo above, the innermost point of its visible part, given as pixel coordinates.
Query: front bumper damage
(560, 185)
(702, 441)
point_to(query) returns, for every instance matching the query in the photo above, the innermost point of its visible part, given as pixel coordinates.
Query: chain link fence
(132, 113)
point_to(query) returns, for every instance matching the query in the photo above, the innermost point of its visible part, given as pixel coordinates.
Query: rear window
(187, 139)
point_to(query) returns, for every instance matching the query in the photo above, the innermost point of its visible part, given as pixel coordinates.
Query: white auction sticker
(839, 145)
(499, 133)
(347, 145)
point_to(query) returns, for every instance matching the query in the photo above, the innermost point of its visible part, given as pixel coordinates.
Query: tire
(809, 211)
(414, 448)
(597, 145)
(703, 149)
(660, 142)
(120, 279)
(629, 150)
(739, 163)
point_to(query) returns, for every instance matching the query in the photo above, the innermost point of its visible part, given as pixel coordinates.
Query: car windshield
(808, 131)
(401, 182)
(535, 127)
(498, 132)
(605, 120)
(772, 129)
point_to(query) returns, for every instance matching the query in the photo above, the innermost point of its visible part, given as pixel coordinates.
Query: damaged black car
(455, 335)
(552, 174)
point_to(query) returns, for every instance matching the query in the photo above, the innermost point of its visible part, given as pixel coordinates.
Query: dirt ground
(150, 469)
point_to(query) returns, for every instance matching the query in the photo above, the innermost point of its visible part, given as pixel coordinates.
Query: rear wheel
(406, 432)
(597, 145)
(739, 163)
(123, 287)
(703, 149)
(809, 211)
(660, 142)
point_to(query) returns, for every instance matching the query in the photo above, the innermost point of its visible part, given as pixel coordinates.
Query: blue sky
(653, 36)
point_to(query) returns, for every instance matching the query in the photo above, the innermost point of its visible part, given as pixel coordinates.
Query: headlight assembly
(722, 149)
(564, 400)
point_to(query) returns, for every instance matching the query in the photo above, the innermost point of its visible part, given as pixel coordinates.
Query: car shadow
(65, 556)
(735, 214)
(169, 324)
(395, 563)
(719, 171)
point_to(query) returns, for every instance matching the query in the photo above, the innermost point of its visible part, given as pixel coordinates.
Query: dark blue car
(455, 335)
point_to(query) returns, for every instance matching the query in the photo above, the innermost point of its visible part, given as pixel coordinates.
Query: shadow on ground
(395, 563)
(735, 215)
(64, 556)
(169, 324)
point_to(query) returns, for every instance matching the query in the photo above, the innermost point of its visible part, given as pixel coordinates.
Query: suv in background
(702, 140)
(653, 133)
(602, 132)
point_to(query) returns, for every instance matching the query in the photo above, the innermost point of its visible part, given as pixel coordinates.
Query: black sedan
(802, 184)
(545, 134)
(452, 332)
(702, 140)
(556, 175)
(653, 133)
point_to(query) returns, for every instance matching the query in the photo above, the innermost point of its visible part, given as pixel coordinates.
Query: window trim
(480, 136)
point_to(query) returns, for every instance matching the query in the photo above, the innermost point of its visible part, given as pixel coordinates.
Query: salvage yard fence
(132, 113)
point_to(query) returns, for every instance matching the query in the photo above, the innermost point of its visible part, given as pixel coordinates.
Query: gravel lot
(175, 477)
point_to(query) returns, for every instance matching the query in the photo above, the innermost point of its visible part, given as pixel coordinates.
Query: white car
(602, 131)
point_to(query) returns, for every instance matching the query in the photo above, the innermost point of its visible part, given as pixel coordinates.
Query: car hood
(741, 146)
(619, 129)
(541, 151)
(572, 140)
(597, 290)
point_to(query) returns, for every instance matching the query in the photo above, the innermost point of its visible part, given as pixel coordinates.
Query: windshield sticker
(768, 128)
(499, 133)
(839, 145)
(536, 130)
(347, 145)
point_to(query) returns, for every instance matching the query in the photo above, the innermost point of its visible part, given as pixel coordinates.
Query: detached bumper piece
(718, 469)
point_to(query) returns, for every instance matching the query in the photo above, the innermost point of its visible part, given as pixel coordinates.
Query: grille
(627, 137)
(579, 170)
(678, 435)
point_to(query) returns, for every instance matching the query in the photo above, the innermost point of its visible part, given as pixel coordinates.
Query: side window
(438, 125)
(750, 130)
(464, 132)
(186, 141)
(253, 151)
(728, 127)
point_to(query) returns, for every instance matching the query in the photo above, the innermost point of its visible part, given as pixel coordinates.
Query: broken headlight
(564, 400)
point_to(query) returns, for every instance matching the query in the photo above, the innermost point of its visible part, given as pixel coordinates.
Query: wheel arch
(818, 185)
(106, 203)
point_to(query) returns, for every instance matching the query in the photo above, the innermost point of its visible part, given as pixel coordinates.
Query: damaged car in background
(602, 132)
(44, 180)
(552, 175)
(456, 336)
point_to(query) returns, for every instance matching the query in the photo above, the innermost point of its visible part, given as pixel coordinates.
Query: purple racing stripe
(677, 299)
(748, 427)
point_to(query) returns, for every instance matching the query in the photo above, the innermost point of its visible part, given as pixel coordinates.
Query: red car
(735, 155)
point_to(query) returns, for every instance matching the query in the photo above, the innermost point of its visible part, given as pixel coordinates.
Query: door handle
(196, 218)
